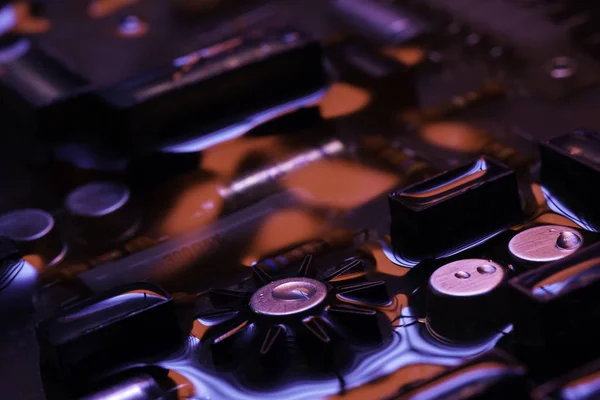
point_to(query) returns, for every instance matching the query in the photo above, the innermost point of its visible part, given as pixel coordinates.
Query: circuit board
(341, 199)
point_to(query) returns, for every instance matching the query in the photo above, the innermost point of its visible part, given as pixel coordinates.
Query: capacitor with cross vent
(465, 300)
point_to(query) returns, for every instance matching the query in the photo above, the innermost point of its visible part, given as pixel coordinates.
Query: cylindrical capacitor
(35, 232)
(101, 213)
(465, 300)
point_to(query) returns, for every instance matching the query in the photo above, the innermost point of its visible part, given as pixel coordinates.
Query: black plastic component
(494, 375)
(366, 66)
(570, 166)
(581, 383)
(85, 341)
(454, 209)
(216, 86)
(555, 309)
(41, 95)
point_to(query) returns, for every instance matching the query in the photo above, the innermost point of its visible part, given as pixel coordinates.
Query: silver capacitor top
(101, 212)
(34, 232)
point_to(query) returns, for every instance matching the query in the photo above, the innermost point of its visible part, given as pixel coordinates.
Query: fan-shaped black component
(312, 324)
(349, 266)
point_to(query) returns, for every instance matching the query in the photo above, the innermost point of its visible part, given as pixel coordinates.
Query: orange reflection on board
(196, 206)
(409, 55)
(185, 389)
(455, 136)
(343, 99)
(383, 263)
(103, 8)
(36, 261)
(225, 158)
(387, 386)
(339, 184)
(284, 228)
(28, 24)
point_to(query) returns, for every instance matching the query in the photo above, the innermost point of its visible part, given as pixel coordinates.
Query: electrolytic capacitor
(101, 212)
(465, 300)
(35, 232)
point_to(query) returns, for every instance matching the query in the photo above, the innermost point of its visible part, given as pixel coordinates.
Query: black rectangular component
(557, 305)
(217, 86)
(454, 209)
(42, 96)
(493, 375)
(569, 171)
(118, 326)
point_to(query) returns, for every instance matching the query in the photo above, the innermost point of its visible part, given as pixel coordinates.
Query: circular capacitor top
(545, 243)
(288, 296)
(26, 225)
(469, 277)
(97, 199)
(34, 232)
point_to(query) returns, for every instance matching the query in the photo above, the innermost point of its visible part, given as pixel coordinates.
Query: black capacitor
(209, 90)
(570, 164)
(35, 232)
(555, 310)
(88, 339)
(494, 375)
(101, 213)
(454, 209)
(466, 300)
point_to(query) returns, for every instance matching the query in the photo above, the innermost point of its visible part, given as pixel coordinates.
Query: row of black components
(283, 66)
(98, 214)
